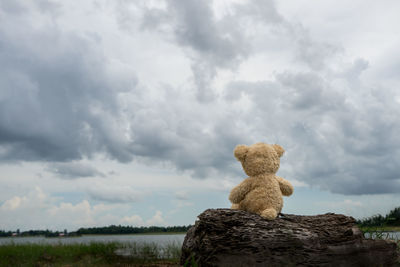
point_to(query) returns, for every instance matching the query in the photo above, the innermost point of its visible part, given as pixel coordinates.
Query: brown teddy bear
(262, 191)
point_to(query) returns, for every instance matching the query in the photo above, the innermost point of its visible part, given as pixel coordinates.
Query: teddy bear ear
(278, 150)
(241, 151)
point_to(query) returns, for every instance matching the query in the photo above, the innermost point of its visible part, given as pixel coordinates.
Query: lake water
(158, 239)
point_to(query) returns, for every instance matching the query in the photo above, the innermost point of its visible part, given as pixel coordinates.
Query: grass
(93, 254)
(380, 228)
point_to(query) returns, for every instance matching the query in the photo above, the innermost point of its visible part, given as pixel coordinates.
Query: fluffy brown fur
(262, 191)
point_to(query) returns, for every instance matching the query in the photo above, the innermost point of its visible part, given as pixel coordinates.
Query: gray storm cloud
(59, 102)
(73, 170)
(114, 194)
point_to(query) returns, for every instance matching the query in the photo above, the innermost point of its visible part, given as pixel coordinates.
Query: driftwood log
(225, 237)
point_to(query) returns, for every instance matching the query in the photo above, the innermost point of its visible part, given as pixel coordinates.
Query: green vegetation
(383, 228)
(46, 233)
(107, 230)
(93, 254)
(191, 263)
(389, 222)
(115, 230)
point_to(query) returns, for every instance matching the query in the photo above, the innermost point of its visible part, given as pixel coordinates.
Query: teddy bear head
(259, 158)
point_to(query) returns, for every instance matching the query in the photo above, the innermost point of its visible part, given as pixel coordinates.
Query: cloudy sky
(127, 112)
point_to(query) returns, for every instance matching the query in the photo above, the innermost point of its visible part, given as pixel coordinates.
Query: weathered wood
(226, 237)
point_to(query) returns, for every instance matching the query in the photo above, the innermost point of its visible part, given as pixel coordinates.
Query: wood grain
(226, 237)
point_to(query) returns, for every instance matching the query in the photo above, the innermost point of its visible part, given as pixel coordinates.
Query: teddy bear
(262, 191)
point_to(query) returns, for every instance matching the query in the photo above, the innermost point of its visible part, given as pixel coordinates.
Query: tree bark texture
(226, 237)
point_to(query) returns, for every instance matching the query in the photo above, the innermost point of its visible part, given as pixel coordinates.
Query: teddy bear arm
(285, 186)
(239, 192)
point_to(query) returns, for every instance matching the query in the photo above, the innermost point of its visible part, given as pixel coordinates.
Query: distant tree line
(4, 233)
(107, 230)
(118, 229)
(391, 219)
(47, 233)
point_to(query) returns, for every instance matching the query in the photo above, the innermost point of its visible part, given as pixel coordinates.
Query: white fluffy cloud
(157, 219)
(46, 212)
(13, 203)
(135, 220)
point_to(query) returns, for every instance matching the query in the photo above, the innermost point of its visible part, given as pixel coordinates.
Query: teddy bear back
(259, 158)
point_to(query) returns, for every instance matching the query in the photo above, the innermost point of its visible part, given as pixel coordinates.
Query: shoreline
(171, 233)
(133, 234)
(380, 228)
